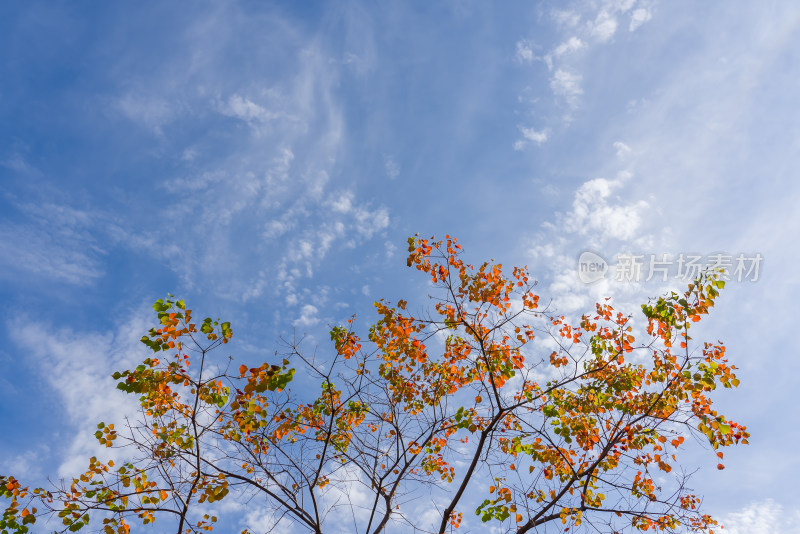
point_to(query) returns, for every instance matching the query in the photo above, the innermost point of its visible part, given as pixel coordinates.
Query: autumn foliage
(485, 409)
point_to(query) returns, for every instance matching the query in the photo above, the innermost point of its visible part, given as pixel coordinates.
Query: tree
(453, 411)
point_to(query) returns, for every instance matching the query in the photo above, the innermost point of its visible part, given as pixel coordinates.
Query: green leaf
(161, 306)
(549, 411)
(206, 327)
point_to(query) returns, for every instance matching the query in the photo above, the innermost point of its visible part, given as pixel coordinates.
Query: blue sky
(267, 161)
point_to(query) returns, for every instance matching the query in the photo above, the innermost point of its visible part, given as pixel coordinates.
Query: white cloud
(149, 110)
(524, 51)
(259, 520)
(281, 165)
(26, 465)
(567, 85)
(316, 182)
(370, 222)
(56, 242)
(276, 228)
(583, 25)
(639, 17)
(551, 191)
(566, 48)
(35, 252)
(623, 5)
(270, 188)
(346, 498)
(342, 202)
(17, 162)
(311, 245)
(246, 110)
(189, 154)
(571, 45)
(360, 50)
(392, 167)
(534, 136)
(764, 517)
(266, 184)
(604, 218)
(308, 316)
(303, 250)
(594, 212)
(566, 18)
(529, 135)
(604, 26)
(622, 149)
(78, 368)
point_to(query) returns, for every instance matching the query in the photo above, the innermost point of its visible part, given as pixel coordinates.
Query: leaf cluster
(458, 406)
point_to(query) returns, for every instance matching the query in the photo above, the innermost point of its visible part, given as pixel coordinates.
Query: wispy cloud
(529, 135)
(151, 111)
(392, 167)
(571, 45)
(567, 85)
(525, 51)
(52, 241)
(253, 200)
(77, 366)
(28, 464)
(639, 17)
(763, 517)
(262, 213)
(622, 150)
(582, 26)
(17, 162)
(246, 110)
